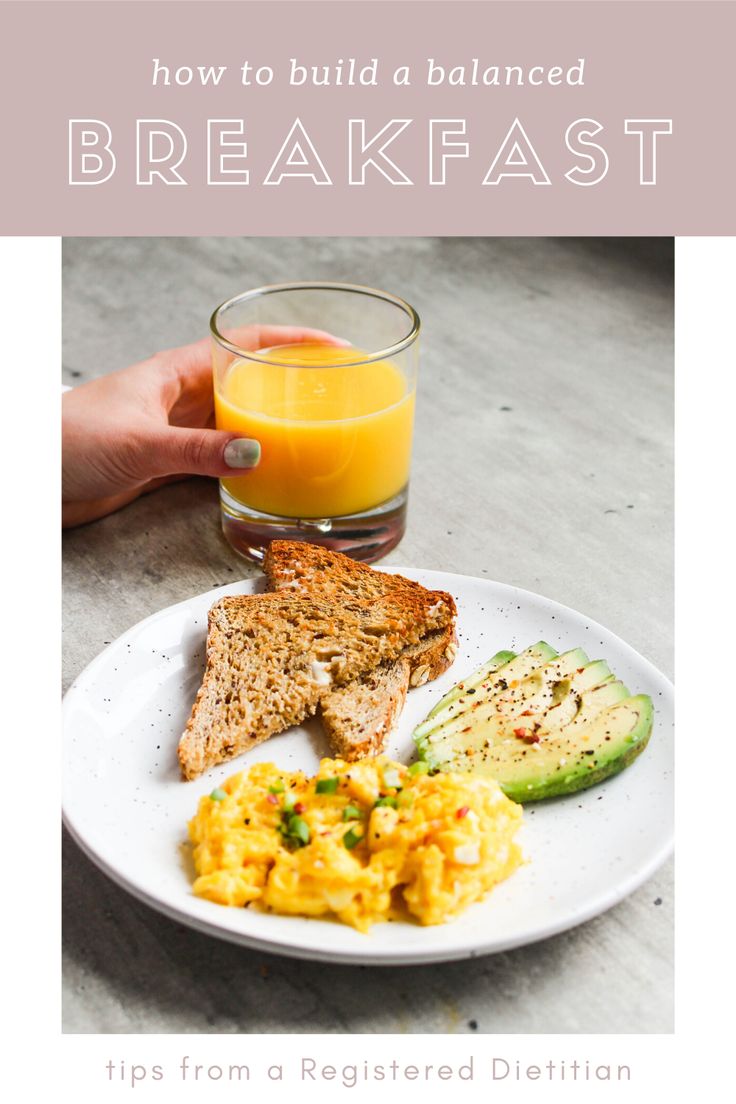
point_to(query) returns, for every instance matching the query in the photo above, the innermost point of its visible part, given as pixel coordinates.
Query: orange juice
(335, 435)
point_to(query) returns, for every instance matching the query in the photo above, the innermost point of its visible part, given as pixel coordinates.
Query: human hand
(127, 433)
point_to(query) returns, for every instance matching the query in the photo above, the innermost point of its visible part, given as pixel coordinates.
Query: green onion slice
(351, 838)
(299, 829)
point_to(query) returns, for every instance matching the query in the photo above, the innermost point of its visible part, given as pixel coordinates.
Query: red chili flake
(527, 735)
(528, 713)
(462, 812)
(299, 808)
(272, 799)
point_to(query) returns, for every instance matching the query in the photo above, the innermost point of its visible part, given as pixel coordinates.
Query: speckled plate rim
(450, 951)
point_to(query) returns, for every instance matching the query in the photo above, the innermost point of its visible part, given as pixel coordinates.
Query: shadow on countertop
(654, 257)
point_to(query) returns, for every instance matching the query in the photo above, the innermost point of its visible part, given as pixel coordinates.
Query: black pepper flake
(658, 900)
(473, 1025)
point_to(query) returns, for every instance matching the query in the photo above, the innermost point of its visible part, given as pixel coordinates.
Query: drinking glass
(334, 416)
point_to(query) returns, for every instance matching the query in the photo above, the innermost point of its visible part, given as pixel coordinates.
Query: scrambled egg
(363, 841)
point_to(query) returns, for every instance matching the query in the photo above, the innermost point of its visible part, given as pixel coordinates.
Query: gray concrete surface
(543, 458)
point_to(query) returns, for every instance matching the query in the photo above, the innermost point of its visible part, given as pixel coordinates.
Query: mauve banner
(367, 118)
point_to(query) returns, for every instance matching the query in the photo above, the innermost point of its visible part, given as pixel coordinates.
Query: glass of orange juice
(333, 412)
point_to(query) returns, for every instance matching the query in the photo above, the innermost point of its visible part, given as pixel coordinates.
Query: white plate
(127, 807)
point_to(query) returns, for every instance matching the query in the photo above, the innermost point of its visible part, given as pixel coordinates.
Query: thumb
(202, 452)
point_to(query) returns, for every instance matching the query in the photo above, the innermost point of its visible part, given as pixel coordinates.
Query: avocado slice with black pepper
(480, 675)
(484, 682)
(509, 694)
(539, 710)
(577, 758)
(525, 735)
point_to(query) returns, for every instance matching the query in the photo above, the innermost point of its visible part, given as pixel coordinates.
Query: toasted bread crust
(311, 569)
(432, 656)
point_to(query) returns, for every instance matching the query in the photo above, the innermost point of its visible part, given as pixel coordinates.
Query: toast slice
(270, 658)
(308, 569)
(359, 715)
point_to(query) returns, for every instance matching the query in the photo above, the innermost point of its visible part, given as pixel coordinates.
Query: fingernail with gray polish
(242, 453)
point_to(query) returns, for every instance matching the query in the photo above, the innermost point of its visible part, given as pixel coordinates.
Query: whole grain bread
(271, 656)
(308, 569)
(359, 715)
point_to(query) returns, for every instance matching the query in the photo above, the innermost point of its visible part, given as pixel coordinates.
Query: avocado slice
(594, 674)
(573, 760)
(497, 703)
(472, 742)
(591, 703)
(567, 707)
(540, 723)
(475, 679)
(580, 701)
(485, 681)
